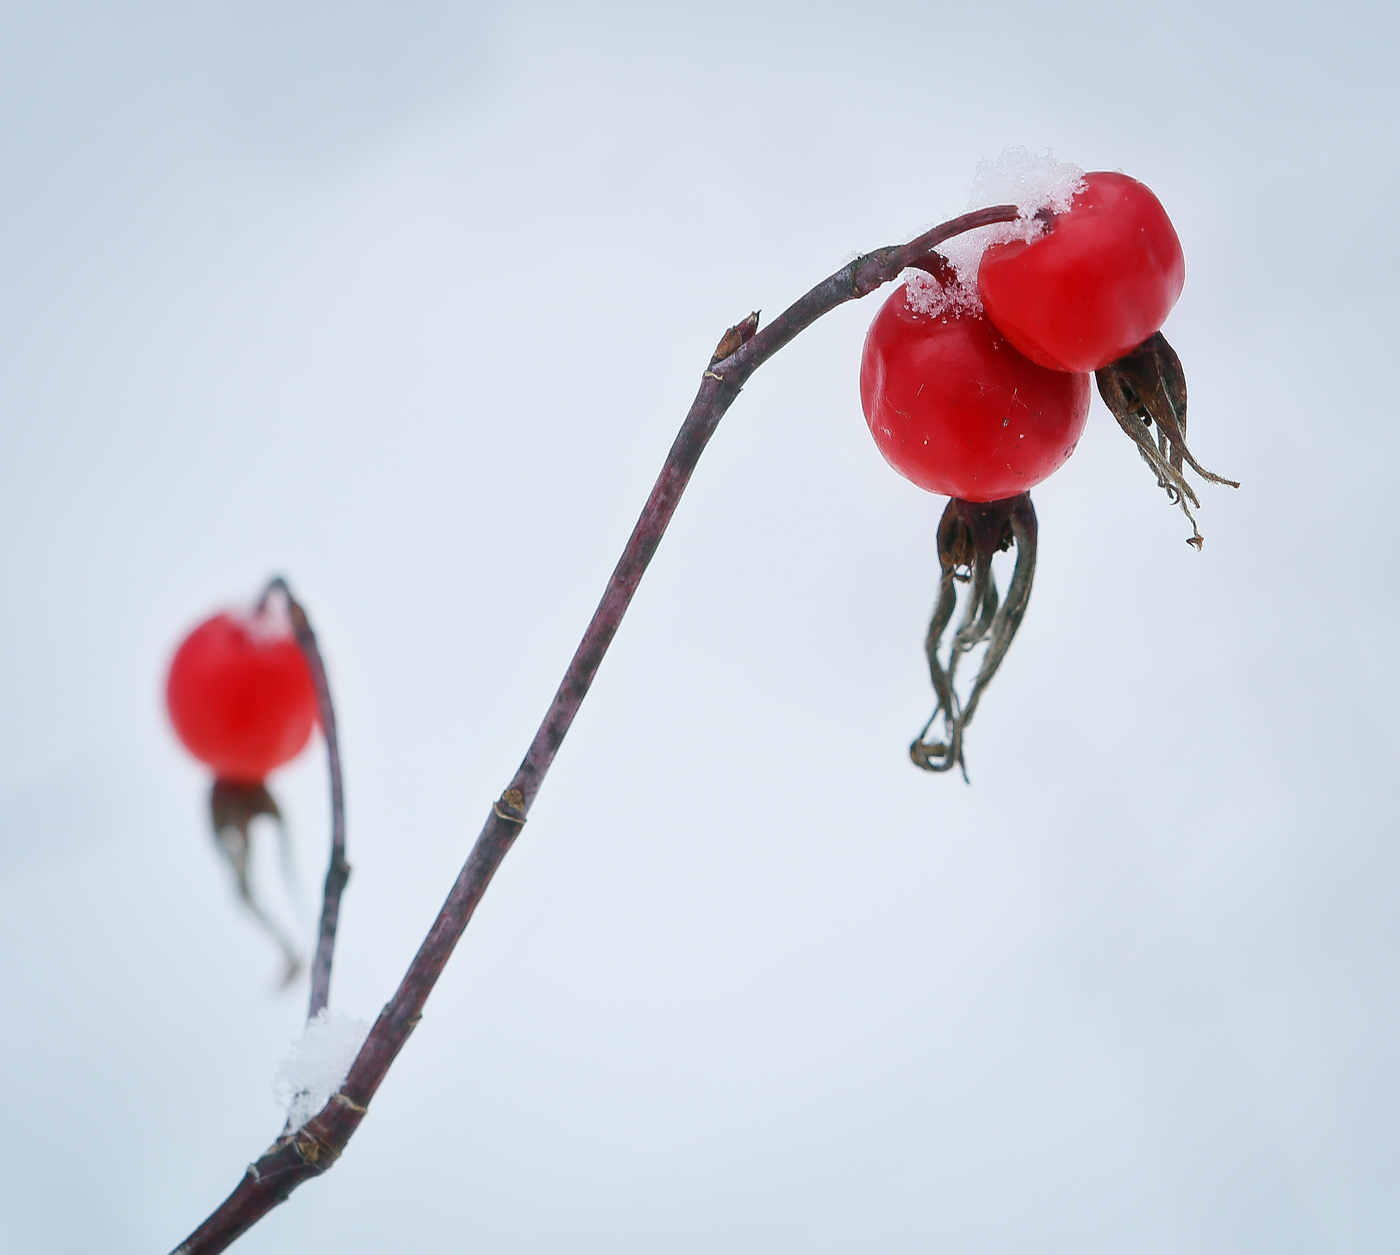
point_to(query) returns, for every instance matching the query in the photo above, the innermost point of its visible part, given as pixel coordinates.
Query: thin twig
(310, 1150)
(338, 872)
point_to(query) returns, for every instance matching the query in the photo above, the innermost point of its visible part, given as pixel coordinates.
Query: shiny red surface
(1101, 281)
(954, 408)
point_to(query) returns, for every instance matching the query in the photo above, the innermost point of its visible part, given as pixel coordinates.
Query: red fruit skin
(1097, 284)
(958, 411)
(240, 700)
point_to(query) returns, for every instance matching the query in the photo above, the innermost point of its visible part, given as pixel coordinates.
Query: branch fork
(1147, 385)
(742, 350)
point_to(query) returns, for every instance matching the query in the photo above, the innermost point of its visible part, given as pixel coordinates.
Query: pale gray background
(406, 301)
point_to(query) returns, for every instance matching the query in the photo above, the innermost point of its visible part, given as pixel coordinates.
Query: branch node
(511, 807)
(256, 1195)
(314, 1149)
(345, 1101)
(734, 339)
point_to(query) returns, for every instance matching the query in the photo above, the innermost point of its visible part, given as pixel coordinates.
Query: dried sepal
(1149, 385)
(233, 805)
(970, 534)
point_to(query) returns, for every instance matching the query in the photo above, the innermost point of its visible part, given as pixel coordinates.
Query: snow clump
(318, 1064)
(1015, 178)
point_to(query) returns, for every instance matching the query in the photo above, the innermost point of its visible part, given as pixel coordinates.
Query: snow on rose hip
(241, 699)
(958, 411)
(979, 398)
(1096, 283)
(975, 385)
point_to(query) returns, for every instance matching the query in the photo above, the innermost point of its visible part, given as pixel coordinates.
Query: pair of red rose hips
(979, 404)
(983, 405)
(980, 395)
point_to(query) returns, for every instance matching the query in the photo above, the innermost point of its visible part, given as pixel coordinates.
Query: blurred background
(406, 301)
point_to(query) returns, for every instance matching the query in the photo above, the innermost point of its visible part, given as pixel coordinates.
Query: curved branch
(338, 872)
(312, 1149)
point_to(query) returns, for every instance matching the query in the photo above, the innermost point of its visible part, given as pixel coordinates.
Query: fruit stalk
(309, 1151)
(338, 872)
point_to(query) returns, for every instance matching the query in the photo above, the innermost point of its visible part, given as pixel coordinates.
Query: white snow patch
(1028, 182)
(926, 295)
(317, 1065)
(1017, 178)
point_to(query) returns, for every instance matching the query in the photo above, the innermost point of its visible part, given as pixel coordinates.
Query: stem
(338, 873)
(312, 1149)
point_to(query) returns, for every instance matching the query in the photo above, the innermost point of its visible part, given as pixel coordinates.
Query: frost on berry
(1031, 183)
(938, 295)
(1039, 187)
(970, 534)
(1145, 386)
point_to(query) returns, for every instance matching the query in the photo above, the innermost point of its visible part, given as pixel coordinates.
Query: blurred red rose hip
(240, 695)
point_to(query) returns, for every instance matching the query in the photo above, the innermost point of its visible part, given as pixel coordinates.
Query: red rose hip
(957, 410)
(1103, 278)
(240, 694)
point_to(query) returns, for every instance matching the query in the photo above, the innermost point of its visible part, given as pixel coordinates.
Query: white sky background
(409, 308)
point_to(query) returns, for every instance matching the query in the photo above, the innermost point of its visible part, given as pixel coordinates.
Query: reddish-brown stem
(338, 872)
(313, 1148)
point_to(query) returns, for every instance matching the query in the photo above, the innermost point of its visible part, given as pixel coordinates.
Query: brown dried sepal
(970, 534)
(1149, 385)
(233, 805)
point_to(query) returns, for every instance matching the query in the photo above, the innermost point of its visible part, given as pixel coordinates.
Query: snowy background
(406, 301)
